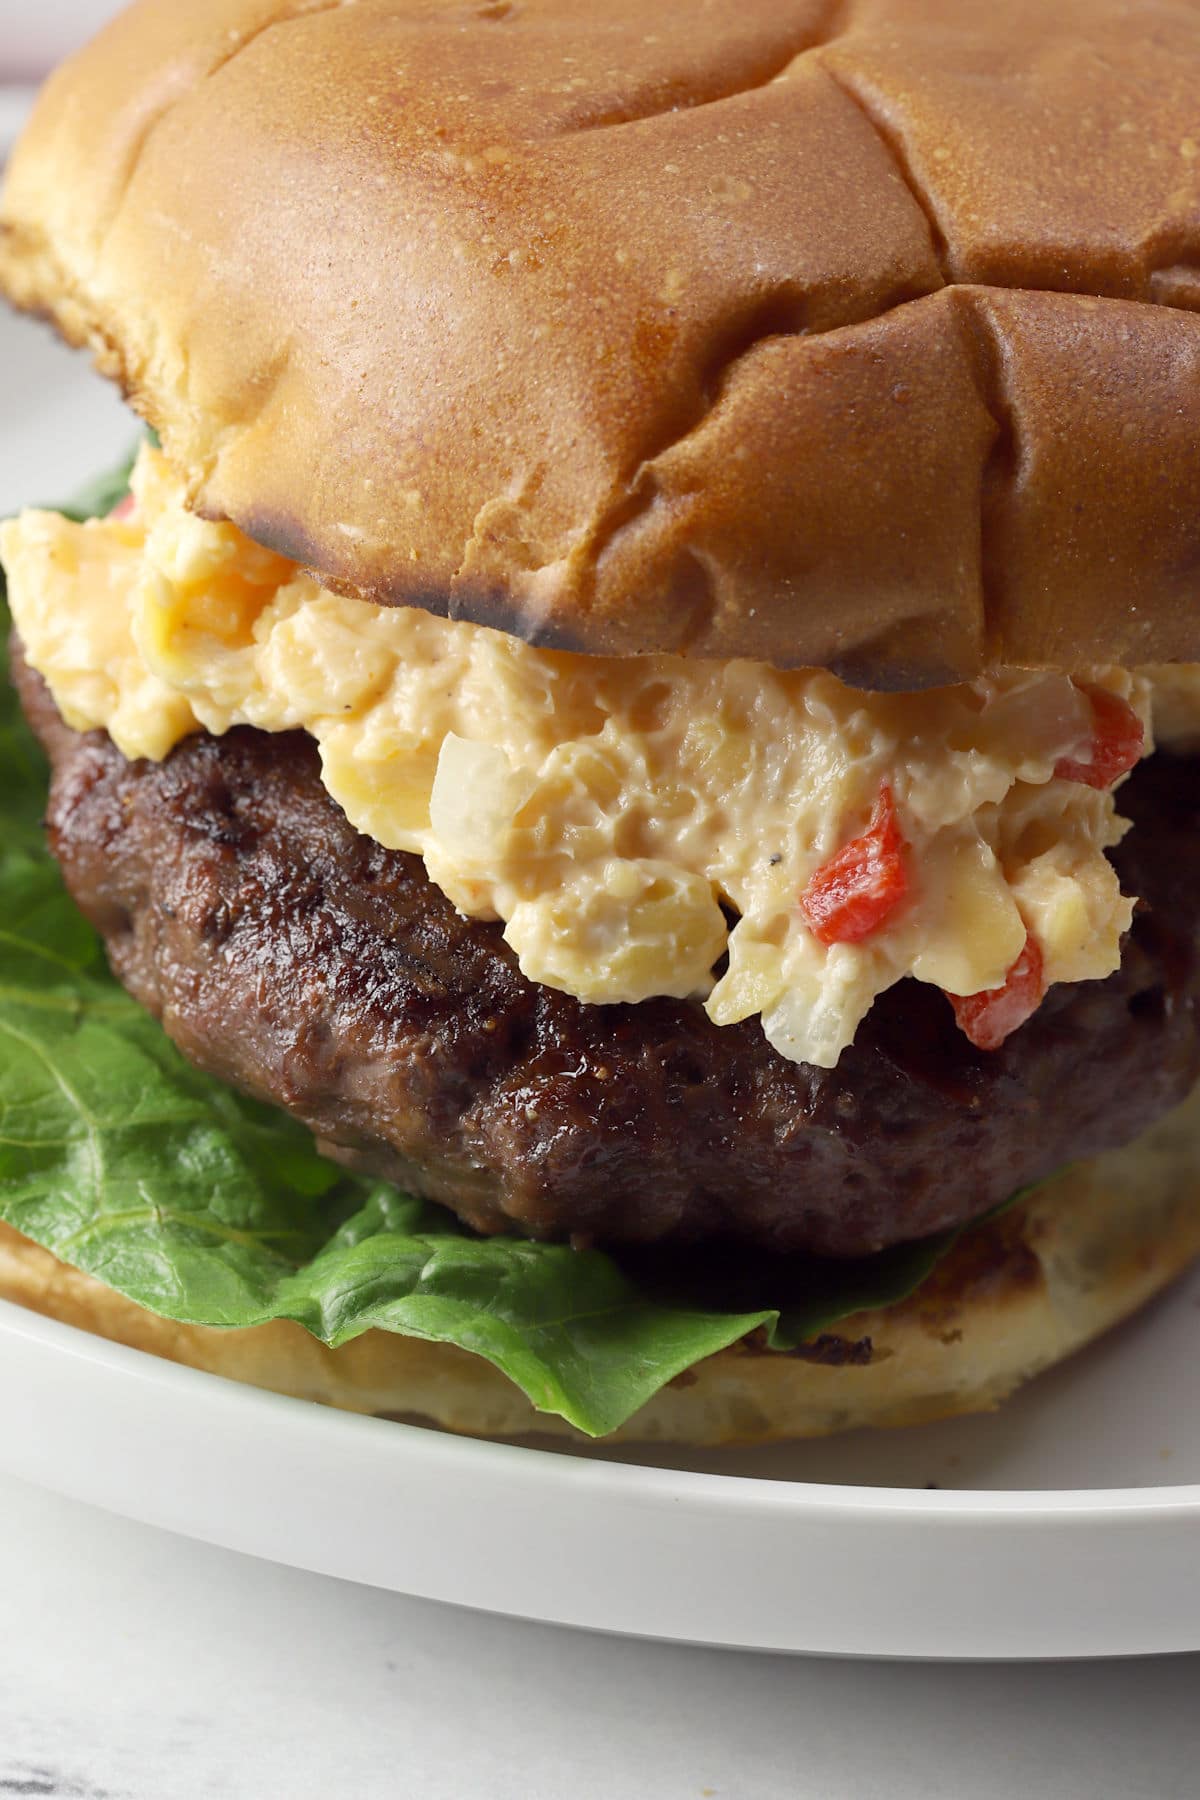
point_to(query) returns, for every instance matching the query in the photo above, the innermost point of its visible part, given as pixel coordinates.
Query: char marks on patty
(310, 966)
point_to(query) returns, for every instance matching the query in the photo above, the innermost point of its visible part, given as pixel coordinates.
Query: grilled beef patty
(307, 965)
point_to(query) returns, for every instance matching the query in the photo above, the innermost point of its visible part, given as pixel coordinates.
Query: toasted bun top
(853, 335)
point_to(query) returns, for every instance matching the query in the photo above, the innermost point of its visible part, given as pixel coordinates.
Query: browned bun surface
(853, 335)
(1015, 1297)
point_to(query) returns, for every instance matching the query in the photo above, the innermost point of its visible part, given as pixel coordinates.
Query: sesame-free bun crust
(1015, 1297)
(857, 334)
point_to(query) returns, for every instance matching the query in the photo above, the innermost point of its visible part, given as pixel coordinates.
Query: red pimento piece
(988, 1018)
(1117, 742)
(859, 888)
(124, 509)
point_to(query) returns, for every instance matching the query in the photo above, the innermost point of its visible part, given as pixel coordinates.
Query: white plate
(780, 1564)
(1066, 1525)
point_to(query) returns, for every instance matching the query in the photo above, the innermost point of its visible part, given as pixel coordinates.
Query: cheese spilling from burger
(642, 825)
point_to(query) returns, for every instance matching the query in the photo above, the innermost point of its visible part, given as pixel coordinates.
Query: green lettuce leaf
(210, 1209)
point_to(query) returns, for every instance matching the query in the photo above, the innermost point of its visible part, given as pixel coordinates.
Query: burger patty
(309, 966)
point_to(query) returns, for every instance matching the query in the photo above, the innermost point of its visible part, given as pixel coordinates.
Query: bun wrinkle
(859, 335)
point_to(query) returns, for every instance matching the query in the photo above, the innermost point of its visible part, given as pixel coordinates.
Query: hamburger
(643, 698)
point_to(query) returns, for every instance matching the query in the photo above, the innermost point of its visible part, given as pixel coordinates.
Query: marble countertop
(139, 1666)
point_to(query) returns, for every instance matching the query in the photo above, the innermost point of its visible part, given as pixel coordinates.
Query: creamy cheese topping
(642, 825)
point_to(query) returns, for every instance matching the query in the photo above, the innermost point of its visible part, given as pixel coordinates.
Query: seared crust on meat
(310, 966)
(1015, 1297)
(819, 333)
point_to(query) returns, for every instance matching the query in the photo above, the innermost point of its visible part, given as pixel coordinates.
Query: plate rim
(1058, 1506)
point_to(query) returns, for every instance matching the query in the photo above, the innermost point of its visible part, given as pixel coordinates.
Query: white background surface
(138, 1666)
(35, 33)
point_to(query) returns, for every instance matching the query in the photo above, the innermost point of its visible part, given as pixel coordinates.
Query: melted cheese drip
(607, 809)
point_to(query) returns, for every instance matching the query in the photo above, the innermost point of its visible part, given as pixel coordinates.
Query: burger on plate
(644, 696)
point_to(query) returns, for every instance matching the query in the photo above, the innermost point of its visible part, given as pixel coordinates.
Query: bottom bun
(1014, 1297)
